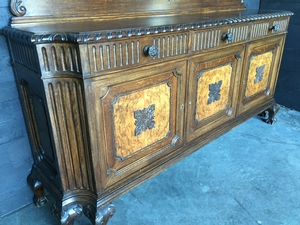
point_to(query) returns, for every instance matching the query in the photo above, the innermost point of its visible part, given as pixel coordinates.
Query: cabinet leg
(104, 214)
(39, 198)
(270, 113)
(68, 215)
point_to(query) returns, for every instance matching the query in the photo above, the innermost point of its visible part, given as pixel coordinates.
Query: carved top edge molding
(17, 8)
(112, 34)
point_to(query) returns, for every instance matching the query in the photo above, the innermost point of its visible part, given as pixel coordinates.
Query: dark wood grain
(104, 115)
(83, 8)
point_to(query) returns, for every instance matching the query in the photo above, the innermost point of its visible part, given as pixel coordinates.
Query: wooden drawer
(210, 39)
(268, 27)
(124, 53)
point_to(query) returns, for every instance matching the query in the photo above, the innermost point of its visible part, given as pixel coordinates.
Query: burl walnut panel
(258, 74)
(213, 86)
(141, 118)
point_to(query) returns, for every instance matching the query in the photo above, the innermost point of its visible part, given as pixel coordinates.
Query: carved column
(64, 90)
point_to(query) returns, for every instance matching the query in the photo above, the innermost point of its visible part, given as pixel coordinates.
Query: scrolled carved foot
(263, 114)
(39, 198)
(69, 215)
(104, 214)
(270, 113)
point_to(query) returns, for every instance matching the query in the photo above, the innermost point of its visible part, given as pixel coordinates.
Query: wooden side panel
(25, 54)
(37, 119)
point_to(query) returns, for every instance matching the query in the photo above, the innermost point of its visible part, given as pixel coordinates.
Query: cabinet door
(260, 72)
(135, 119)
(213, 82)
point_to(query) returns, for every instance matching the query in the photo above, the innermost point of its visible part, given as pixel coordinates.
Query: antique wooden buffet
(114, 92)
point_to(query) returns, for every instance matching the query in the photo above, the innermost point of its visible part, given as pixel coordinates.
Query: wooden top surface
(153, 24)
(94, 20)
(98, 29)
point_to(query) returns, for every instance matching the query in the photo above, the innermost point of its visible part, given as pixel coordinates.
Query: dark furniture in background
(109, 103)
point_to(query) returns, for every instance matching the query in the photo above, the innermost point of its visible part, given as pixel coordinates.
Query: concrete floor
(249, 176)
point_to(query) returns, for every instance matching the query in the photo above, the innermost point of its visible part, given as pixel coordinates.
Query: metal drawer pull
(274, 27)
(151, 51)
(228, 37)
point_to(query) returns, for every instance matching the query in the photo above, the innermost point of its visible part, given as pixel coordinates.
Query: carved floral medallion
(144, 119)
(133, 118)
(214, 92)
(259, 73)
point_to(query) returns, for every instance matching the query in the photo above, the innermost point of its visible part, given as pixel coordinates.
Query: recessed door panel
(212, 91)
(140, 117)
(260, 72)
(135, 119)
(213, 82)
(258, 75)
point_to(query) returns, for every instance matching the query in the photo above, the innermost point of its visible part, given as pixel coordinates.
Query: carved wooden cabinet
(111, 102)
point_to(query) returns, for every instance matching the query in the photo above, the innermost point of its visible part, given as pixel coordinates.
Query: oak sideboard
(113, 92)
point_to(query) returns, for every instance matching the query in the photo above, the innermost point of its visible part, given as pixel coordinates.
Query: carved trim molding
(130, 166)
(59, 59)
(95, 36)
(65, 97)
(17, 34)
(17, 8)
